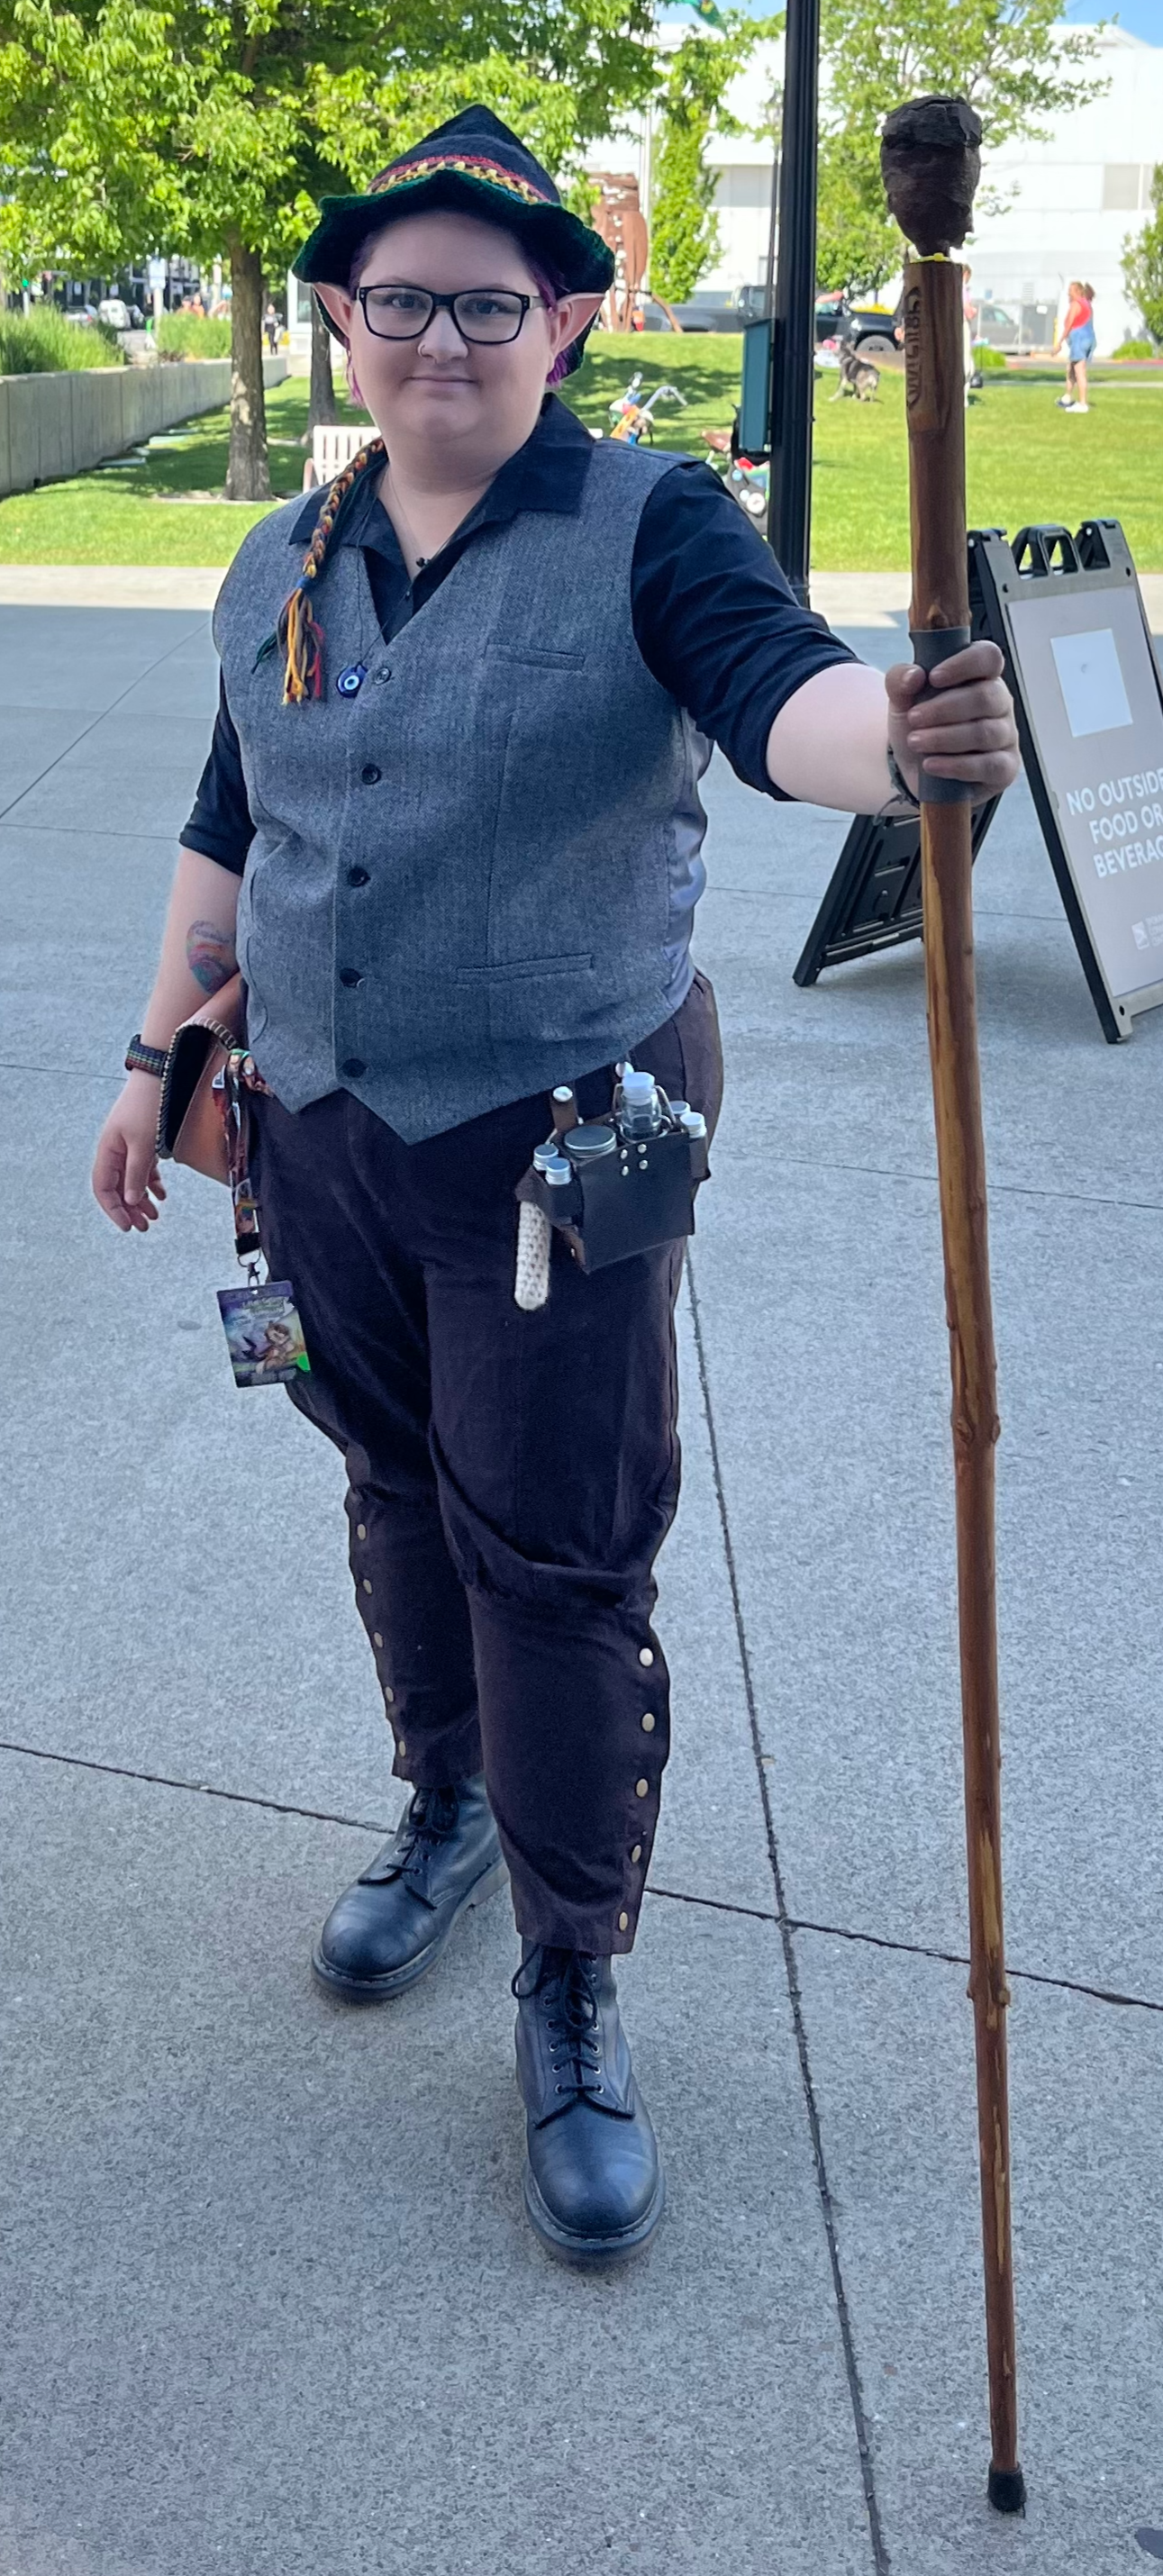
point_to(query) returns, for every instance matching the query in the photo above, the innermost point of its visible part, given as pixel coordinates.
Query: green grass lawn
(1027, 461)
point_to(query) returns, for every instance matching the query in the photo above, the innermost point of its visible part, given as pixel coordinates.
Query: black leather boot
(386, 1930)
(593, 2184)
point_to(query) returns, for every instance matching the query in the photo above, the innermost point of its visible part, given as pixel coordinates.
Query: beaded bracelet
(140, 1058)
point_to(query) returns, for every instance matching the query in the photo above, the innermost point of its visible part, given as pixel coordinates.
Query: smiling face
(477, 403)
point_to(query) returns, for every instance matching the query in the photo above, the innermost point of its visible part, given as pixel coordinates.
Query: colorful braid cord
(299, 632)
(405, 174)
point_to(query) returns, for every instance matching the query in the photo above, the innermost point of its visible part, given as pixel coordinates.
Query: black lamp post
(793, 336)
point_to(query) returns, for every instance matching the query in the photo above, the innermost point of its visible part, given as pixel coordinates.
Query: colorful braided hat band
(472, 165)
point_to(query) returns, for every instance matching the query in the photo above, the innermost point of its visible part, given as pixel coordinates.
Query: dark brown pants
(512, 1476)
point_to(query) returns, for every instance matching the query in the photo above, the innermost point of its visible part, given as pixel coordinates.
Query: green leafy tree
(857, 246)
(1012, 59)
(684, 228)
(1143, 262)
(216, 125)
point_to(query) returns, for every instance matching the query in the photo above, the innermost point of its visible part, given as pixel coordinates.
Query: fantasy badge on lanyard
(264, 1334)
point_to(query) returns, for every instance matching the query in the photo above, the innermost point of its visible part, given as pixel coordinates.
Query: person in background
(270, 324)
(1077, 336)
(969, 317)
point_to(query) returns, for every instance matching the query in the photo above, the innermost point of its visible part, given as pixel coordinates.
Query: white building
(1068, 203)
(1074, 199)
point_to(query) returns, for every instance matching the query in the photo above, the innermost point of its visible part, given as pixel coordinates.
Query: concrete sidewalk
(276, 2311)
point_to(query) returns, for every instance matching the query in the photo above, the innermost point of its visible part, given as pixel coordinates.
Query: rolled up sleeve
(220, 824)
(716, 621)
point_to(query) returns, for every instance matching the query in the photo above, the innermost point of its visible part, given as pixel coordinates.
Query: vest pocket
(540, 658)
(534, 1000)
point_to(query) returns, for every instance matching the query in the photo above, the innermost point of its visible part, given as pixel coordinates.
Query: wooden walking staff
(930, 159)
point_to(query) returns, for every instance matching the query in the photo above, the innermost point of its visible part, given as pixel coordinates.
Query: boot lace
(429, 1821)
(565, 1980)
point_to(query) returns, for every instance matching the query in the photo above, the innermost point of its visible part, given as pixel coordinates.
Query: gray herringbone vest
(475, 878)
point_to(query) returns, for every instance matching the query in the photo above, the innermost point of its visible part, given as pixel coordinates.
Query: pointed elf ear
(580, 309)
(339, 305)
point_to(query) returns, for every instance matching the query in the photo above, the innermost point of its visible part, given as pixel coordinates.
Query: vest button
(350, 975)
(370, 775)
(358, 876)
(353, 1065)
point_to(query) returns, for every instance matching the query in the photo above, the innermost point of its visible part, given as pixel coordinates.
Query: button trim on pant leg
(636, 1854)
(623, 1926)
(389, 1696)
(377, 1640)
(646, 1654)
(642, 1788)
(361, 1529)
(367, 1583)
(649, 1722)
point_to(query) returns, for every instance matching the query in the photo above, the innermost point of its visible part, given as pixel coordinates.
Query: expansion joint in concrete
(880, 2557)
(98, 719)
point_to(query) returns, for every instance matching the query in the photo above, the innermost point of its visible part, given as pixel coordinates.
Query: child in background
(1077, 333)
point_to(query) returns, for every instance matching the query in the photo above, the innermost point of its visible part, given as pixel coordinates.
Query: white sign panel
(1093, 697)
(1091, 680)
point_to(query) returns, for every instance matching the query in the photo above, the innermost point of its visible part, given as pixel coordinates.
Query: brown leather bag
(191, 1125)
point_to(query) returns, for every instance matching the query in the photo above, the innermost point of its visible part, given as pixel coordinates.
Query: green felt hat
(478, 166)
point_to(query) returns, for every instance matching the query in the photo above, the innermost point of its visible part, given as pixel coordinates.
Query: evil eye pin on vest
(351, 680)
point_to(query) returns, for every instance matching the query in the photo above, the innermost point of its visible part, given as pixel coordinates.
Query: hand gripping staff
(930, 160)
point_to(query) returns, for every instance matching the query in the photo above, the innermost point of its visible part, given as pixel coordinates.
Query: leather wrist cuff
(900, 782)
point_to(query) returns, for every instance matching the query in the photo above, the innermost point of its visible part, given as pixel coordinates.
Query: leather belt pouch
(191, 1124)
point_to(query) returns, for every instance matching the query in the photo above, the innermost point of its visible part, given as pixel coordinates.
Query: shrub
(193, 335)
(1137, 349)
(1143, 262)
(42, 342)
(988, 362)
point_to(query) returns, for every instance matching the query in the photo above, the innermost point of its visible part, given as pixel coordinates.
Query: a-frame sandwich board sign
(1068, 616)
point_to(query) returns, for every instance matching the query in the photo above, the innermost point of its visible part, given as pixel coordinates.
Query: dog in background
(858, 377)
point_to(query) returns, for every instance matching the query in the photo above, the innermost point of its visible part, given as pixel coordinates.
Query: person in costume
(450, 827)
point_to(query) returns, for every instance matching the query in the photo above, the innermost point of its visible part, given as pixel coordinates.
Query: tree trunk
(248, 472)
(321, 410)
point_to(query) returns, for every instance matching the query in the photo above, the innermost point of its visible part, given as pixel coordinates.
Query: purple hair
(548, 285)
(551, 288)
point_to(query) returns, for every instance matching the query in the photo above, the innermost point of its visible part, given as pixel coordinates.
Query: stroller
(632, 419)
(747, 477)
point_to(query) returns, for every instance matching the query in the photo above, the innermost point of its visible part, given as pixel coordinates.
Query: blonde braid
(299, 631)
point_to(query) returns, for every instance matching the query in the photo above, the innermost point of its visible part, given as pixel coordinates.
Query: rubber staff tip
(1007, 2490)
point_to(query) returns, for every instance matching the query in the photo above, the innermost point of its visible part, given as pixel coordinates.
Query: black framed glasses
(487, 314)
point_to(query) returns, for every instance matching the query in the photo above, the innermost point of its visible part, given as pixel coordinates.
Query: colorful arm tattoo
(209, 955)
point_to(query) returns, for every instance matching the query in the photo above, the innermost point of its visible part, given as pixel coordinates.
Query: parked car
(711, 309)
(872, 331)
(998, 325)
(1015, 326)
(119, 314)
(867, 327)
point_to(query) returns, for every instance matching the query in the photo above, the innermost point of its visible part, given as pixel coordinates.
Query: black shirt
(714, 619)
